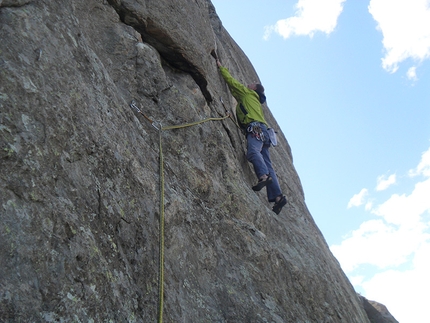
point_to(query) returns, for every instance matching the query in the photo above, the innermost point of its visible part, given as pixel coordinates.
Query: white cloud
(405, 27)
(379, 244)
(358, 199)
(423, 167)
(383, 183)
(357, 280)
(368, 206)
(406, 210)
(388, 241)
(388, 257)
(311, 16)
(412, 73)
(413, 284)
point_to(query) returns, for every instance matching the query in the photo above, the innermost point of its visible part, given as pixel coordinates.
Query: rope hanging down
(160, 128)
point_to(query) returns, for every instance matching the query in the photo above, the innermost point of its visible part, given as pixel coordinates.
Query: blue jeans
(258, 155)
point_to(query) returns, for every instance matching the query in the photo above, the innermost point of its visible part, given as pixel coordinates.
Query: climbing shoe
(262, 183)
(280, 204)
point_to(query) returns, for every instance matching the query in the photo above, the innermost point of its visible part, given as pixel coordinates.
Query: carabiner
(134, 106)
(156, 125)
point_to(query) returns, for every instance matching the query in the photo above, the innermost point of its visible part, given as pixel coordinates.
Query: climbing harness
(254, 128)
(160, 128)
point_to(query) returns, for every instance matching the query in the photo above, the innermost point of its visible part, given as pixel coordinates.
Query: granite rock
(80, 176)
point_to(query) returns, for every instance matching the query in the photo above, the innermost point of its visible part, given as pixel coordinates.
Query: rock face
(376, 312)
(79, 178)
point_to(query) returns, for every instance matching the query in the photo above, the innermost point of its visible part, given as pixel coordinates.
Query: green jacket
(248, 108)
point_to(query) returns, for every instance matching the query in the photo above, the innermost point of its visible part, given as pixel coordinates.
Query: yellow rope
(194, 123)
(232, 119)
(161, 234)
(161, 229)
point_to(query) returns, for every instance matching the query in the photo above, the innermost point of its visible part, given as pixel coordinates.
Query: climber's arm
(238, 90)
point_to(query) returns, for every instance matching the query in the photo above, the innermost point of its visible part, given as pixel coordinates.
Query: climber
(249, 114)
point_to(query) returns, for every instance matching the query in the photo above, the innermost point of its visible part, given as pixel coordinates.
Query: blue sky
(349, 84)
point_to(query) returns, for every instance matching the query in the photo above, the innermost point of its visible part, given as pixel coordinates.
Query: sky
(349, 84)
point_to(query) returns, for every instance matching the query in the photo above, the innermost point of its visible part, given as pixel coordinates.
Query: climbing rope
(160, 128)
(161, 235)
(228, 113)
(194, 123)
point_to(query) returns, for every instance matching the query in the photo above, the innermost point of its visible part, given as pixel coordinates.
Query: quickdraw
(155, 124)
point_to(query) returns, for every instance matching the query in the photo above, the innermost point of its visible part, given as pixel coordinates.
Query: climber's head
(257, 87)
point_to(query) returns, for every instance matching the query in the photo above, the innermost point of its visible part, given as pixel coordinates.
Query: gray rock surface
(79, 176)
(377, 312)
